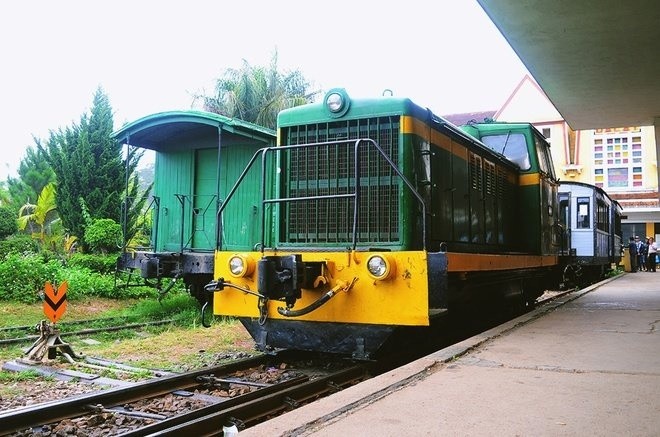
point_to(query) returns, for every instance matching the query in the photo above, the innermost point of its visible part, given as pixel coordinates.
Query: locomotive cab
(525, 146)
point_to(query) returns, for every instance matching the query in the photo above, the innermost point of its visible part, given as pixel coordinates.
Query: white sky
(150, 56)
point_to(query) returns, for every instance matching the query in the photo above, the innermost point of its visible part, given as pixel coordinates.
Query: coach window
(583, 213)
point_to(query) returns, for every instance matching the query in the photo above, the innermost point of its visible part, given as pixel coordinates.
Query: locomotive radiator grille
(328, 170)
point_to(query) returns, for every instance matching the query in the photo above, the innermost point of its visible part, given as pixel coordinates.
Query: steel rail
(210, 420)
(89, 331)
(49, 412)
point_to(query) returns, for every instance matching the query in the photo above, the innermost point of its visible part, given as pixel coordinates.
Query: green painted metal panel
(205, 200)
(241, 218)
(173, 176)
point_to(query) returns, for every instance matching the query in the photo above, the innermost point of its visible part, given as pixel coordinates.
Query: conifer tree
(34, 173)
(89, 167)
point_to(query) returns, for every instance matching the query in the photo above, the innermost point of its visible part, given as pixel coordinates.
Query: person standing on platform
(632, 254)
(652, 253)
(641, 249)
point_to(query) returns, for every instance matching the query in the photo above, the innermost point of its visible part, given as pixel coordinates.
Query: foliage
(89, 166)
(5, 197)
(8, 224)
(258, 94)
(34, 173)
(19, 244)
(22, 277)
(84, 283)
(26, 375)
(138, 219)
(103, 264)
(103, 235)
(39, 217)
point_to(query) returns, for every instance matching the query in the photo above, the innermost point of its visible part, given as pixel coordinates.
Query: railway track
(204, 414)
(27, 338)
(204, 411)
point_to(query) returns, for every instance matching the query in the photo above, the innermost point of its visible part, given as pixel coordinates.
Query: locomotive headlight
(380, 267)
(334, 101)
(241, 265)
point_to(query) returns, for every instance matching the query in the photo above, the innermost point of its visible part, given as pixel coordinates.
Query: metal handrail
(186, 199)
(356, 194)
(154, 205)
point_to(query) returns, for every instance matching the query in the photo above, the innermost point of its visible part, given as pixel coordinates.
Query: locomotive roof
(377, 107)
(155, 130)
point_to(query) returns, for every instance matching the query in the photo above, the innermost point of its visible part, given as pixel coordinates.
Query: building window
(617, 155)
(546, 133)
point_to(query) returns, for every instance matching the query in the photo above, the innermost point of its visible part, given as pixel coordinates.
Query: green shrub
(103, 235)
(8, 221)
(97, 263)
(18, 244)
(22, 278)
(83, 282)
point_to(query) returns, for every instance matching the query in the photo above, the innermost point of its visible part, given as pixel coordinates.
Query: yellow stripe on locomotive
(399, 297)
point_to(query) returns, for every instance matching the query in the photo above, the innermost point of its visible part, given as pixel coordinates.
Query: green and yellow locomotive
(376, 215)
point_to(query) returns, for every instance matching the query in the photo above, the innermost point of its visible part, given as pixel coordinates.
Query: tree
(40, 215)
(89, 166)
(258, 94)
(34, 173)
(8, 224)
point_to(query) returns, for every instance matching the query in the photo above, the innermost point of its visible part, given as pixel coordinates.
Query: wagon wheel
(572, 276)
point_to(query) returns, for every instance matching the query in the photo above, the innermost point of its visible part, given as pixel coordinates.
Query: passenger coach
(592, 237)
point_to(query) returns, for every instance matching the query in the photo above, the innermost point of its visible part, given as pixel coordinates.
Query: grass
(181, 345)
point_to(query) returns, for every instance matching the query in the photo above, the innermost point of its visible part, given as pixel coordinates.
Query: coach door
(564, 221)
(204, 200)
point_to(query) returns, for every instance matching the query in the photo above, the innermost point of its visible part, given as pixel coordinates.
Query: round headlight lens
(335, 102)
(237, 265)
(377, 266)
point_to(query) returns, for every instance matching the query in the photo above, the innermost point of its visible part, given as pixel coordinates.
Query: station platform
(588, 363)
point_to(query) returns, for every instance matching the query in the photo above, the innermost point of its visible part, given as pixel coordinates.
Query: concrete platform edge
(325, 411)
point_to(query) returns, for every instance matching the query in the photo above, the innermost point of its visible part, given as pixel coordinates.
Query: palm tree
(40, 216)
(258, 94)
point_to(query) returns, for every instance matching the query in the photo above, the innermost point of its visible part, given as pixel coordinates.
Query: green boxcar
(198, 155)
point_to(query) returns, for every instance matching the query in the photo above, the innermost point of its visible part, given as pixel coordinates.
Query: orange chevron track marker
(55, 301)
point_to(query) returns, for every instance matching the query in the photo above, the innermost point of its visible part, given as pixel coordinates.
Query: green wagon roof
(155, 130)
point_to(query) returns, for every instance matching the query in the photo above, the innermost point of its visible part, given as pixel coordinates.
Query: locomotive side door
(549, 202)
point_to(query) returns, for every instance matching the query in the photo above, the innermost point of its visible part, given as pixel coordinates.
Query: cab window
(545, 159)
(512, 146)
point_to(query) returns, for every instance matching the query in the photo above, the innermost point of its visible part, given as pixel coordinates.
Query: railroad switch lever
(48, 343)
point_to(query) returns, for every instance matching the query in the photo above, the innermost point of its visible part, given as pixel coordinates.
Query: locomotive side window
(545, 160)
(583, 213)
(513, 146)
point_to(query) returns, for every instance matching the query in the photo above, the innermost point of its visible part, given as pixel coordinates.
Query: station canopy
(598, 61)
